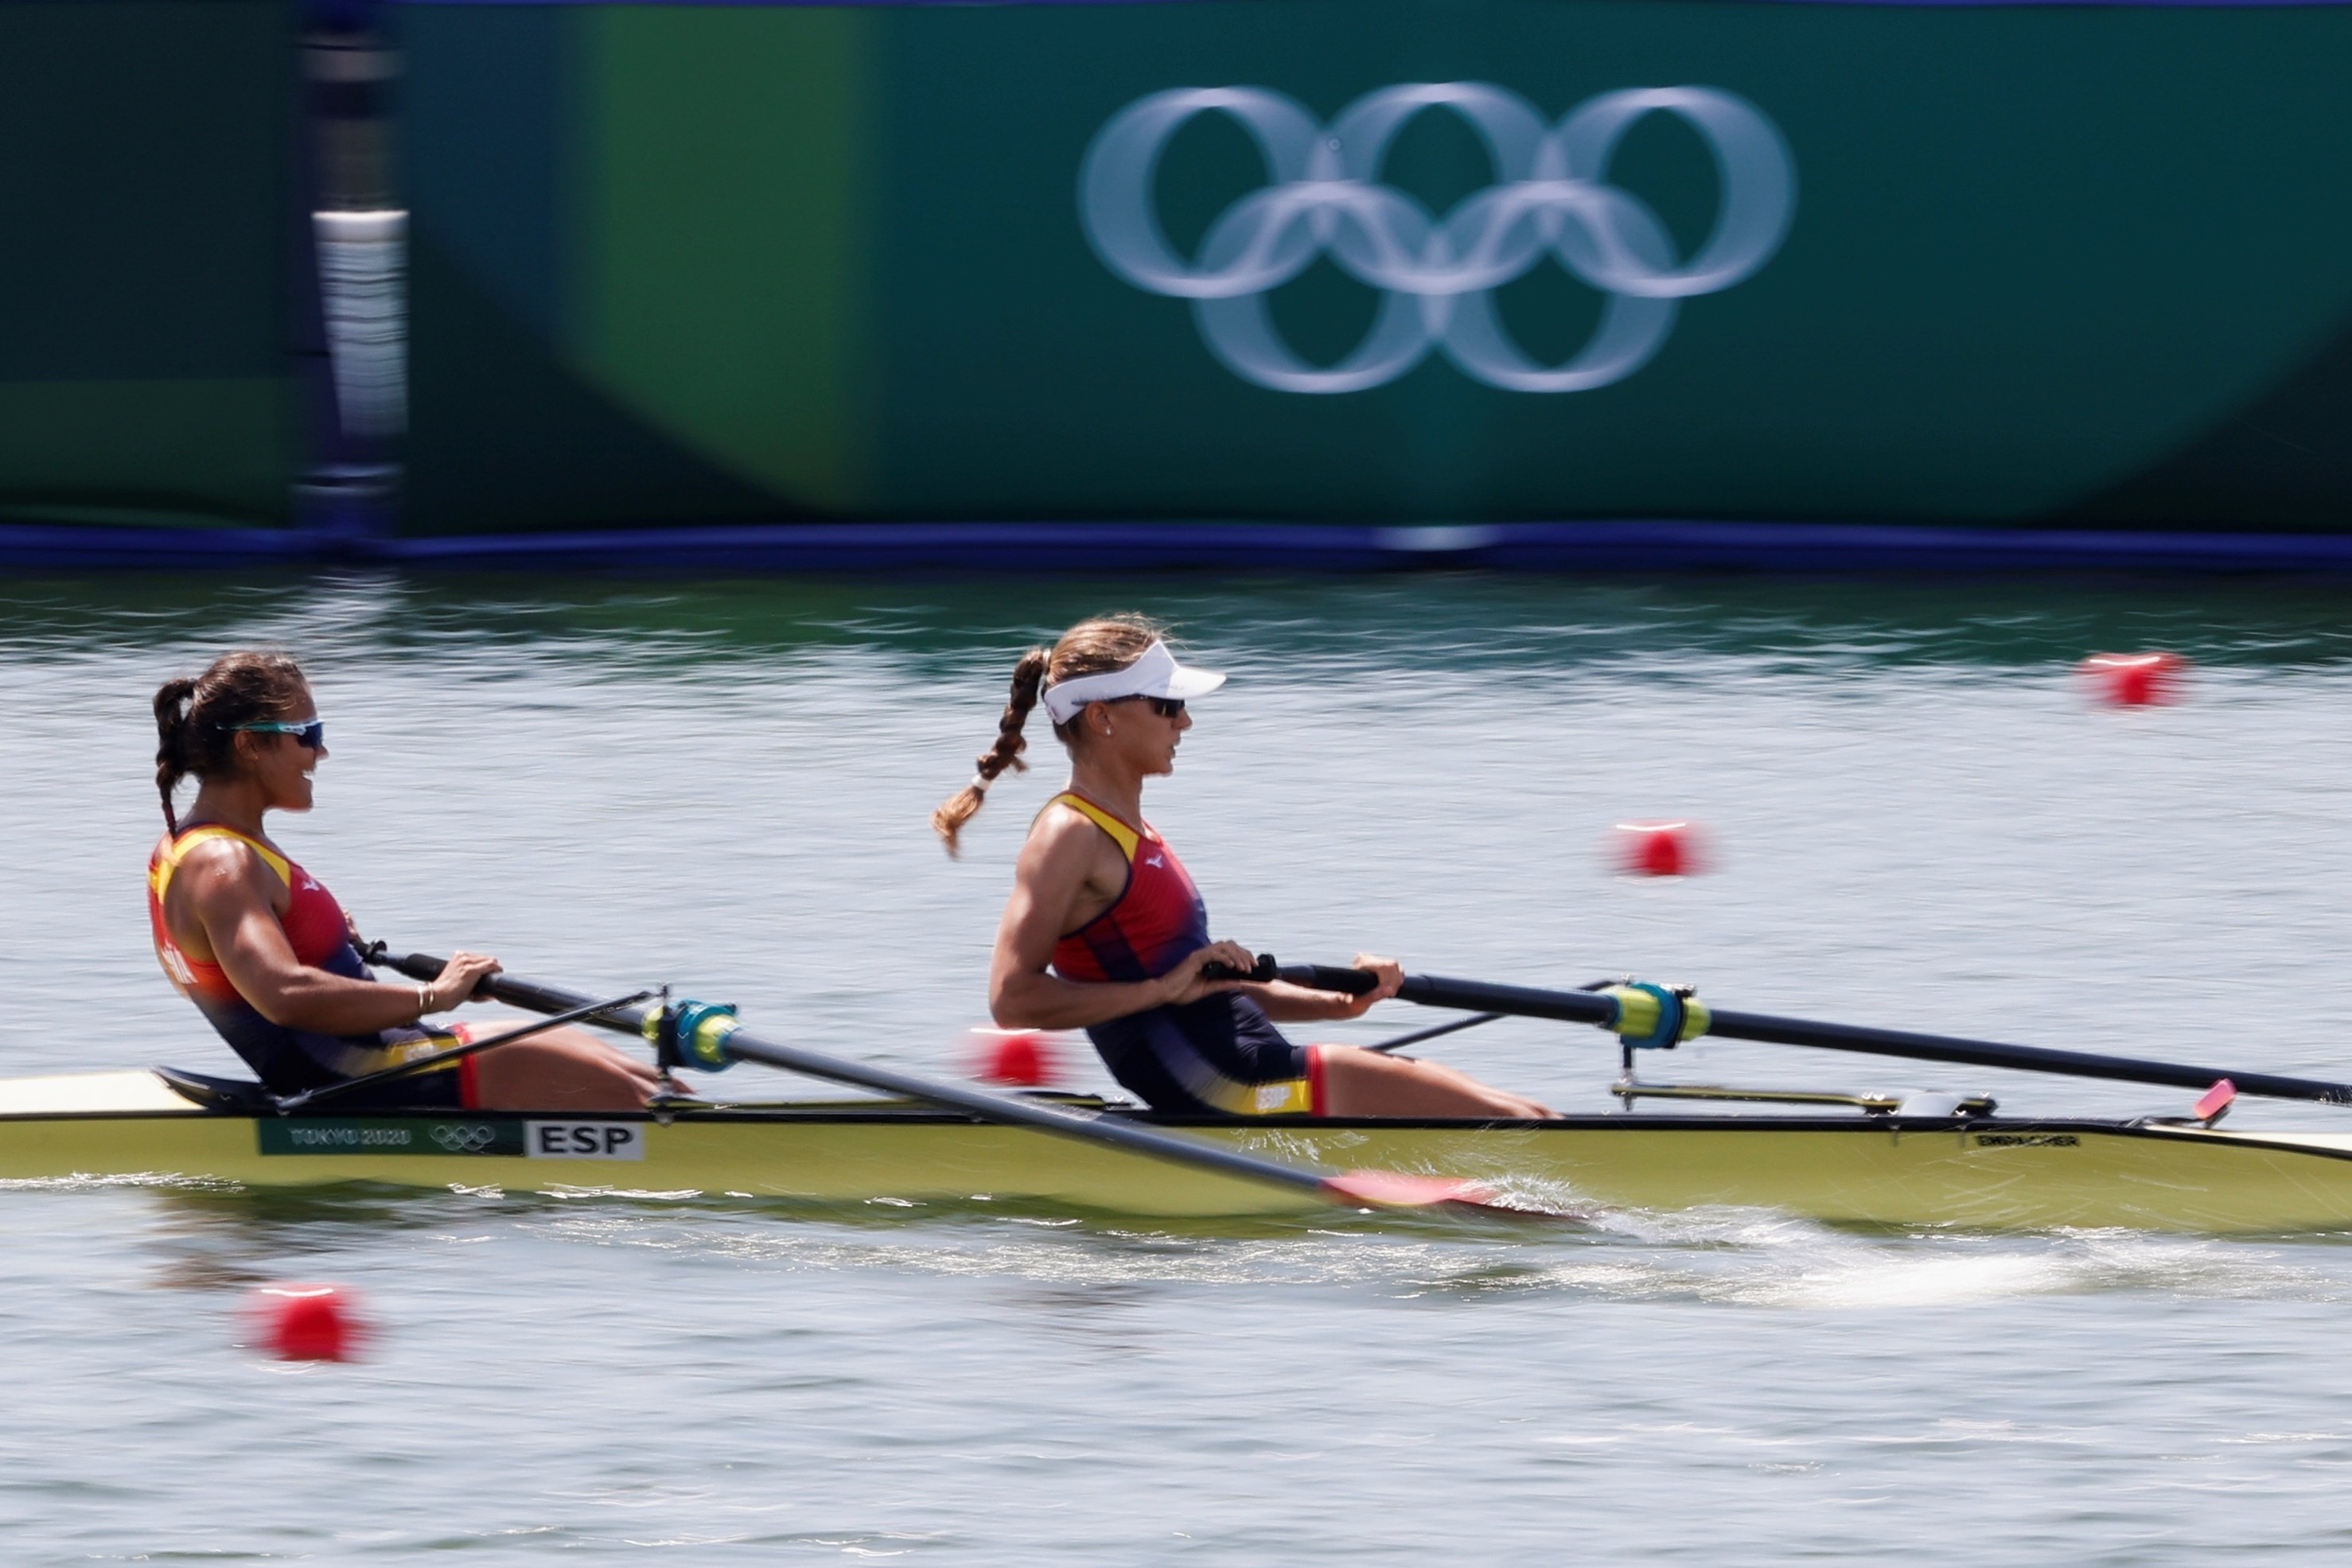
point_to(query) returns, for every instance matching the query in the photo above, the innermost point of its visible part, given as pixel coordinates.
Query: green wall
(689, 264)
(143, 230)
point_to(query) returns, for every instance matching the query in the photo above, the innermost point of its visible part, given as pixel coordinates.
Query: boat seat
(236, 1096)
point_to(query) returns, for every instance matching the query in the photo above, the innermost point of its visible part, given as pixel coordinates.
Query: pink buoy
(1015, 1058)
(1656, 849)
(308, 1322)
(2134, 680)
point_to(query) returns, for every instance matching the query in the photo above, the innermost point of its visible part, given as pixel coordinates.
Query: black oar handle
(1434, 991)
(1314, 976)
(515, 992)
(1520, 1001)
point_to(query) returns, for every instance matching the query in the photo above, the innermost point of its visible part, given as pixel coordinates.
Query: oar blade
(1396, 1189)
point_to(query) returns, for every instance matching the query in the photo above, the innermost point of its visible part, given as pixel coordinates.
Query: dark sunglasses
(1166, 708)
(312, 733)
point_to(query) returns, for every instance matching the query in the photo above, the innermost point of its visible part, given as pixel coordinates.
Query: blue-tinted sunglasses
(312, 733)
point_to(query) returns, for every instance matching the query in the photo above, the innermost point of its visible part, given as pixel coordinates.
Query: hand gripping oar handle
(1314, 976)
(1351, 1189)
(1601, 1009)
(1568, 1007)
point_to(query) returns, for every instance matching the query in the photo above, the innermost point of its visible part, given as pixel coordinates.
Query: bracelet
(423, 1002)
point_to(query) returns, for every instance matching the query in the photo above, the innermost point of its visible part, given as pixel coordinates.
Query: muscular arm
(1048, 884)
(228, 891)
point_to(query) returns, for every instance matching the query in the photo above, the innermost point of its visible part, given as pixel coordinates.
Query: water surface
(1916, 818)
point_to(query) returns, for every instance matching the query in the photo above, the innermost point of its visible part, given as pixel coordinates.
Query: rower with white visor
(1105, 930)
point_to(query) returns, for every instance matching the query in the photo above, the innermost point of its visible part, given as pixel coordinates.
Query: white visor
(1155, 674)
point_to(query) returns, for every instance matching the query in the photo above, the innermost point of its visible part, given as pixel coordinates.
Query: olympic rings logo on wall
(1552, 197)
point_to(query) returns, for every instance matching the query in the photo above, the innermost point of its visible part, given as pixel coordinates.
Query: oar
(1434, 1032)
(1420, 1035)
(287, 1103)
(715, 1039)
(1606, 1010)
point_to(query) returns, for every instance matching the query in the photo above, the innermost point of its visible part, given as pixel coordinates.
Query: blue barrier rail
(1081, 548)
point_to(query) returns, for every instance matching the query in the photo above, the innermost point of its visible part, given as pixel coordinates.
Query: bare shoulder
(1059, 838)
(225, 867)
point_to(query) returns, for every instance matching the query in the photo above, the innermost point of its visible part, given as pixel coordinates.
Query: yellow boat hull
(1990, 1175)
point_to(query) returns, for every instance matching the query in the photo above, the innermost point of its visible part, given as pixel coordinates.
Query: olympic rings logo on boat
(1551, 197)
(465, 1140)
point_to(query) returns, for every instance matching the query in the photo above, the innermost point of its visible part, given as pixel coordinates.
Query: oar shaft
(1022, 1113)
(538, 996)
(1587, 1007)
(2028, 1058)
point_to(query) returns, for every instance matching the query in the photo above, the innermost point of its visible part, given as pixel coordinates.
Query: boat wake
(1726, 1257)
(1732, 1259)
(1743, 1259)
(162, 1180)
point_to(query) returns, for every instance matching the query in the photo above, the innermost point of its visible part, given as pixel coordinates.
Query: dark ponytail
(171, 725)
(1028, 678)
(196, 721)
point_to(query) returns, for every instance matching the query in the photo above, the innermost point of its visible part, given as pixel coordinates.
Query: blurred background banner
(413, 276)
(145, 371)
(2039, 265)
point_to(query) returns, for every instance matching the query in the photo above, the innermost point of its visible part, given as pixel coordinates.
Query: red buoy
(1015, 1058)
(1656, 849)
(308, 1322)
(2134, 680)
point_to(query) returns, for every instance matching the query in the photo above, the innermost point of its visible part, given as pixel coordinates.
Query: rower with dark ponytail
(196, 720)
(298, 1001)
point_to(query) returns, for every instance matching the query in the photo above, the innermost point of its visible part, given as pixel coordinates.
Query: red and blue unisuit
(1220, 1055)
(287, 1061)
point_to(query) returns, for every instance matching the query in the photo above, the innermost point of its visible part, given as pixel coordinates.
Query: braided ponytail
(1093, 647)
(172, 700)
(1028, 679)
(196, 721)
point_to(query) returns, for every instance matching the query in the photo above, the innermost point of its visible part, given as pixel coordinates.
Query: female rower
(1105, 930)
(268, 956)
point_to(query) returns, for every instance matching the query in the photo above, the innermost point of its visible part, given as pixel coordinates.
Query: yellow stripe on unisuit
(1125, 837)
(159, 875)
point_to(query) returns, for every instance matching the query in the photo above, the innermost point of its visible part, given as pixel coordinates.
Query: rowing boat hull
(1999, 1175)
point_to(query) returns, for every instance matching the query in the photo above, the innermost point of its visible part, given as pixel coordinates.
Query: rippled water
(1917, 820)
